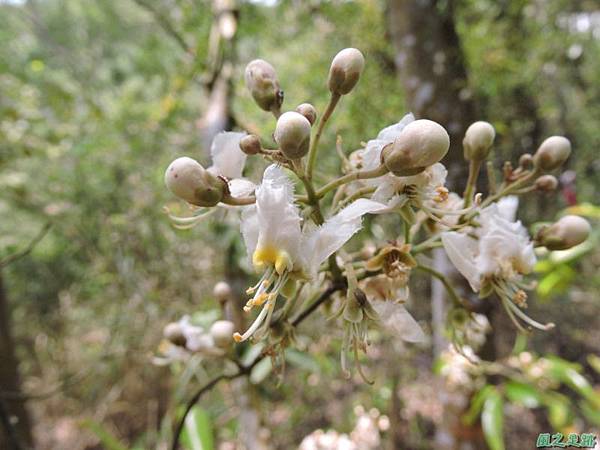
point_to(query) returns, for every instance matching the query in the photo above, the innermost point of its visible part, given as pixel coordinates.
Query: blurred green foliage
(96, 97)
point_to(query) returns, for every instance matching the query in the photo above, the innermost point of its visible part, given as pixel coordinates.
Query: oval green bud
(553, 153)
(261, 81)
(222, 333)
(188, 180)
(308, 111)
(421, 144)
(345, 71)
(222, 291)
(250, 144)
(546, 183)
(292, 134)
(567, 232)
(478, 141)
(174, 334)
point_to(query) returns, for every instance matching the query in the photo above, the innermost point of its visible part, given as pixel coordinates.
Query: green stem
(358, 194)
(474, 167)
(314, 143)
(238, 201)
(353, 176)
(449, 288)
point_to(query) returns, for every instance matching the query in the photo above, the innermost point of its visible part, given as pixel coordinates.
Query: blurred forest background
(97, 97)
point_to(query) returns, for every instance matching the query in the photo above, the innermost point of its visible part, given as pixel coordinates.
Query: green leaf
(594, 362)
(198, 433)
(108, 440)
(302, 360)
(560, 409)
(476, 404)
(523, 394)
(261, 371)
(492, 420)
(591, 412)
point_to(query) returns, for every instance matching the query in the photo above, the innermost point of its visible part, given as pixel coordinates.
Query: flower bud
(552, 154)
(222, 291)
(421, 144)
(525, 160)
(308, 111)
(174, 334)
(567, 232)
(292, 134)
(250, 144)
(188, 180)
(478, 141)
(546, 183)
(261, 81)
(222, 333)
(345, 71)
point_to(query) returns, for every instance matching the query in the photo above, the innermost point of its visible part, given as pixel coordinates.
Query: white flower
(195, 339)
(459, 368)
(495, 256)
(228, 161)
(279, 245)
(500, 249)
(425, 190)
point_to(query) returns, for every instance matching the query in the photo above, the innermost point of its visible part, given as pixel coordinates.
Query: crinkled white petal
(249, 228)
(241, 187)
(393, 131)
(277, 214)
(462, 250)
(227, 157)
(319, 243)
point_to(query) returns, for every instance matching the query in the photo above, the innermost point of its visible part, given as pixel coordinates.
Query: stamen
(184, 223)
(514, 320)
(257, 322)
(265, 278)
(528, 319)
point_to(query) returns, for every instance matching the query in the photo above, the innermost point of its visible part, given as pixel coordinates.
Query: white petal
(371, 156)
(241, 187)
(227, 157)
(507, 207)
(392, 132)
(385, 189)
(278, 217)
(396, 318)
(461, 251)
(320, 243)
(249, 228)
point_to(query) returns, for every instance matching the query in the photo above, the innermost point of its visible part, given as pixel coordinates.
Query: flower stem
(238, 201)
(474, 167)
(314, 143)
(352, 176)
(453, 295)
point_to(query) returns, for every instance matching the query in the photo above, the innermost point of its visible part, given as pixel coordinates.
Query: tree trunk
(14, 419)
(431, 67)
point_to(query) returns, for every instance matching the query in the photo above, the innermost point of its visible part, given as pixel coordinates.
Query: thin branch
(245, 370)
(318, 302)
(18, 255)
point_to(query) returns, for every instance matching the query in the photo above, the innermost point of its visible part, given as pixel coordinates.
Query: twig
(322, 298)
(18, 255)
(245, 370)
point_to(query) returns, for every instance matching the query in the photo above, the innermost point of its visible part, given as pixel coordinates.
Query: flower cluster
(295, 231)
